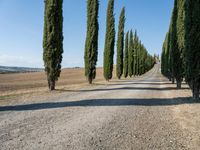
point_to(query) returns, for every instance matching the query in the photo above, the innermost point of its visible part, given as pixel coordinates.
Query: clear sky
(21, 28)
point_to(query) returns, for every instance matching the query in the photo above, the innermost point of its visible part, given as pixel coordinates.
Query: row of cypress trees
(181, 48)
(135, 61)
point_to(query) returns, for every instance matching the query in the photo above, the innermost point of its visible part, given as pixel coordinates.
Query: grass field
(16, 84)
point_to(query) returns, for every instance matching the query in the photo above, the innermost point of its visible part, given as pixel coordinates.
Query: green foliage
(192, 43)
(180, 55)
(109, 41)
(165, 57)
(53, 40)
(173, 47)
(126, 56)
(120, 44)
(130, 55)
(91, 43)
(135, 54)
(177, 42)
(139, 61)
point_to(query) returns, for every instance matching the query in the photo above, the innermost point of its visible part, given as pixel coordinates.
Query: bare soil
(30, 84)
(146, 112)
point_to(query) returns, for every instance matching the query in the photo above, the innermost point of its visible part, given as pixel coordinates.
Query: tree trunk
(52, 85)
(90, 80)
(195, 92)
(173, 81)
(178, 84)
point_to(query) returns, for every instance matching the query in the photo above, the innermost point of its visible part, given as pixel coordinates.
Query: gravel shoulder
(143, 113)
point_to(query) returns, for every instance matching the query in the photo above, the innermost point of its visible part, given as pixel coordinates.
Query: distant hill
(6, 69)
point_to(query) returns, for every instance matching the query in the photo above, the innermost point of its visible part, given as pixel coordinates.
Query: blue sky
(21, 28)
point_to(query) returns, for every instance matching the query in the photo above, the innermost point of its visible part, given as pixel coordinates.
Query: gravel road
(138, 114)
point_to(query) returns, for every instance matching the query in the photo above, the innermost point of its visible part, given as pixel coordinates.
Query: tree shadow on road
(141, 83)
(125, 88)
(99, 103)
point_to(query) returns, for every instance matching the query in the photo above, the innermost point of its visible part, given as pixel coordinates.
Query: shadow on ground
(125, 88)
(137, 83)
(100, 102)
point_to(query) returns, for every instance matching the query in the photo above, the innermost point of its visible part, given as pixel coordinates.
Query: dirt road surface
(146, 113)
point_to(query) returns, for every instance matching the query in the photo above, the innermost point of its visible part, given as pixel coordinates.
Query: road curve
(127, 114)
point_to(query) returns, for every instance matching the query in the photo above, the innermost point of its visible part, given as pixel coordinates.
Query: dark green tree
(173, 41)
(135, 47)
(126, 56)
(165, 57)
(180, 27)
(177, 43)
(53, 40)
(142, 56)
(170, 67)
(139, 57)
(135, 54)
(91, 43)
(109, 41)
(120, 44)
(130, 55)
(192, 43)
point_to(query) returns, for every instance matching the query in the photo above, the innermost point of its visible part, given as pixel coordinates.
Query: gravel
(138, 114)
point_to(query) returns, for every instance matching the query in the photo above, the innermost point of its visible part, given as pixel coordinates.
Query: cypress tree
(53, 40)
(180, 26)
(139, 57)
(142, 59)
(109, 41)
(192, 43)
(91, 43)
(126, 55)
(120, 44)
(171, 73)
(165, 57)
(130, 55)
(173, 42)
(177, 40)
(135, 47)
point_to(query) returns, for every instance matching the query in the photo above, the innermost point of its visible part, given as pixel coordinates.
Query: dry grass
(12, 85)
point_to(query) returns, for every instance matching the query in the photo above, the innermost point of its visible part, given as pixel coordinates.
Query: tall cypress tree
(173, 40)
(126, 55)
(165, 65)
(167, 54)
(139, 57)
(91, 43)
(130, 55)
(109, 41)
(135, 49)
(53, 40)
(120, 44)
(180, 26)
(177, 43)
(192, 43)
(142, 55)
